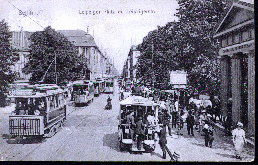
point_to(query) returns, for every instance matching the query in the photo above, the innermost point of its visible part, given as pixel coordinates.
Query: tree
(7, 59)
(47, 45)
(187, 45)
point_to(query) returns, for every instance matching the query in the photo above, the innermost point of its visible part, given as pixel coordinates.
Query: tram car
(40, 111)
(141, 107)
(98, 87)
(83, 92)
(109, 86)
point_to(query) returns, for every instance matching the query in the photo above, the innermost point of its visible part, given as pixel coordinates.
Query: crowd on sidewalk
(175, 113)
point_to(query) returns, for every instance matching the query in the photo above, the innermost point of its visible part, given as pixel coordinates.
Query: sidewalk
(193, 148)
(250, 140)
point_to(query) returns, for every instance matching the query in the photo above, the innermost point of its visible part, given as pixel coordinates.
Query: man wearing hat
(130, 120)
(163, 142)
(139, 132)
(238, 135)
(202, 119)
(208, 134)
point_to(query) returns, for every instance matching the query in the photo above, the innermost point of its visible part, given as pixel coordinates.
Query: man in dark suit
(139, 131)
(163, 142)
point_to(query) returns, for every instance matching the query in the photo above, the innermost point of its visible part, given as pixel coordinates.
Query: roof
(79, 37)
(36, 91)
(137, 100)
(229, 21)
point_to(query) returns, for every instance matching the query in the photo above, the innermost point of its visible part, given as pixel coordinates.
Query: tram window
(21, 106)
(56, 99)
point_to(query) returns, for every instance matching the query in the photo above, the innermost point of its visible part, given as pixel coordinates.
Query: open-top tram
(133, 109)
(40, 111)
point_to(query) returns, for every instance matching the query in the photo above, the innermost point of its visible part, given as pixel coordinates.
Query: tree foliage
(186, 45)
(47, 44)
(7, 59)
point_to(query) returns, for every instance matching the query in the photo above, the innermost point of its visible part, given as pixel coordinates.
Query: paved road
(90, 134)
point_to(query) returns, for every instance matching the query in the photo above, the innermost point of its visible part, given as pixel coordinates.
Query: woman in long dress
(239, 140)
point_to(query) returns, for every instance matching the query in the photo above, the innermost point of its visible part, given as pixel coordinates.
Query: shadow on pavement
(156, 154)
(226, 155)
(111, 141)
(19, 140)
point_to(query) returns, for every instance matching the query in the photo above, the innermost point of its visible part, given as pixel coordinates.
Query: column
(251, 93)
(224, 84)
(236, 88)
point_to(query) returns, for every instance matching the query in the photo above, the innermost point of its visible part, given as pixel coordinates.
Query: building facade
(20, 43)
(96, 61)
(236, 35)
(129, 69)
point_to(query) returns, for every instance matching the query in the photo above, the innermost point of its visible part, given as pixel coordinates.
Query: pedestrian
(190, 122)
(139, 131)
(131, 123)
(180, 122)
(239, 140)
(208, 134)
(166, 121)
(228, 124)
(202, 119)
(163, 142)
(174, 114)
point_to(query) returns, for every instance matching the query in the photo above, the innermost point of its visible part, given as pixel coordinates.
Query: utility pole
(55, 68)
(152, 47)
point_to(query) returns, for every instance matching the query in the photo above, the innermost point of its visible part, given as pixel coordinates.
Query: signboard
(243, 47)
(179, 86)
(178, 78)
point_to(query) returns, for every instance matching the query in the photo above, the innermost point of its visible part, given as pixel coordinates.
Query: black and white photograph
(127, 80)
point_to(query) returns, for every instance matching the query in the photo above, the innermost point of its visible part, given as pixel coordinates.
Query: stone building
(88, 48)
(236, 35)
(20, 43)
(129, 70)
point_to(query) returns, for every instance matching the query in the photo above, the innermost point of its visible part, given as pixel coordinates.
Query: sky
(114, 24)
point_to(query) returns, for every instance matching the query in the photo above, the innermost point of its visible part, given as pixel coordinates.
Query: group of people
(174, 114)
(29, 107)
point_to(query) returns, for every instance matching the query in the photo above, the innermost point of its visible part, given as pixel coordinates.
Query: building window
(252, 33)
(230, 40)
(240, 37)
(224, 42)
(236, 38)
(245, 35)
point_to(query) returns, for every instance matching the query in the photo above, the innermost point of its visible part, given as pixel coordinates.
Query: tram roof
(137, 100)
(36, 91)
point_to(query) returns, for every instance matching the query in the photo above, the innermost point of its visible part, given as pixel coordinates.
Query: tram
(98, 86)
(140, 107)
(40, 111)
(83, 92)
(109, 86)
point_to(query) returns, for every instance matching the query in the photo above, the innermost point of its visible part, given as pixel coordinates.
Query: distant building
(237, 54)
(20, 43)
(86, 45)
(129, 70)
(96, 61)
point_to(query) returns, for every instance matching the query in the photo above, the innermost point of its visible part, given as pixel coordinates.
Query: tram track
(74, 109)
(17, 147)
